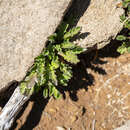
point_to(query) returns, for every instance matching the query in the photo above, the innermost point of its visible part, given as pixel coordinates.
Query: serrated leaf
(64, 78)
(127, 24)
(78, 50)
(55, 62)
(63, 82)
(67, 45)
(52, 38)
(122, 49)
(40, 68)
(65, 74)
(66, 70)
(120, 37)
(45, 92)
(72, 33)
(45, 52)
(122, 17)
(41, 79)
(58, 48)
(53, 77)
(62, 29)
(57, 94)
(49, 67)
(70, 57)
(51, 89)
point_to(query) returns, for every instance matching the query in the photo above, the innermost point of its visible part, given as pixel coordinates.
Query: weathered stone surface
(99, 19)
(24, 28)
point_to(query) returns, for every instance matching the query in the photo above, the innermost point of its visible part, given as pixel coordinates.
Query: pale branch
(11, 109)
(13, 106)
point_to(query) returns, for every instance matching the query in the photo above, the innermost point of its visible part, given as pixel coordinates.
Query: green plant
(52, 68)
(125, 36)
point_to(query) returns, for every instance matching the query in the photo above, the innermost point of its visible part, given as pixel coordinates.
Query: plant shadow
(34, 116)
(92, 60)
(81, 80)
(4, 96)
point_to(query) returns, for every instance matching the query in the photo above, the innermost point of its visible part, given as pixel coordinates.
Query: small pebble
(60, 128)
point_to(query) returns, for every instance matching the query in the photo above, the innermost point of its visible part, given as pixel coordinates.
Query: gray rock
(99, 19)
(24, 28)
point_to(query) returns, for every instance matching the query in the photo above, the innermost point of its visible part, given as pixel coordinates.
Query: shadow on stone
(6, 94)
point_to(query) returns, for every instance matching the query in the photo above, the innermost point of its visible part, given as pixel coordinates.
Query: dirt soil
(97, 98)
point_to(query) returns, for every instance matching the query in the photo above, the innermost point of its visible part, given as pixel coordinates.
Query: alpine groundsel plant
(53, 67)
(124, 37)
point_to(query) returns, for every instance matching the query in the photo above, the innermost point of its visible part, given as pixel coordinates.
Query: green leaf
(78, 50)
(58, 48)
(65, 74)
(122, 49)
(51, 89)
(40, 68)
(72, 33)
(23, 87)
(127, 24)
(62, 29)
(45, 52)
(122, 17)
(52, 38)
(125, 4)
(55, 62)
(128, 49)
(57, 94)
(41, 79)
(120, 38)
(53, 77)
(50, 69)
(69, 56)
(68, 45)
(66, 69)
(45, 92)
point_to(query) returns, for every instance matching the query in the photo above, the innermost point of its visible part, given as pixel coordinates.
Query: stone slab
(24, 28)
(99, 19)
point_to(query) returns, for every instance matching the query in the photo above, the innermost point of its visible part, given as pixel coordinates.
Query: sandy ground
(97, 98)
